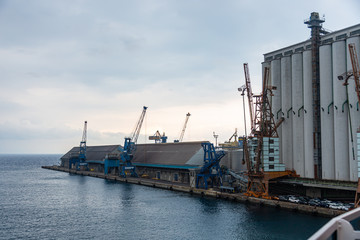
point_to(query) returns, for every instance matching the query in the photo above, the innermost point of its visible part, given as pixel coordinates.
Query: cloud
(63, 62)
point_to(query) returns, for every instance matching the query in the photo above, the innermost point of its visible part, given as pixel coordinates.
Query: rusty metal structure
(315, 24)
(262, 126)
(356, 75)
(356, 68)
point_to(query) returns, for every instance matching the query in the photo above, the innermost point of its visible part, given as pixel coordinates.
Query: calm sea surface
(42, 204)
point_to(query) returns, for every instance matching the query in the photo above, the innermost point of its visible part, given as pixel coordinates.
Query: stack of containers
(270, 154)
(252, 149)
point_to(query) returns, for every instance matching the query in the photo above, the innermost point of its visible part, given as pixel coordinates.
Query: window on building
(271, 159)
(176, 177)
(271, 141)
(158, 175)
(271, 150)
(271, 166)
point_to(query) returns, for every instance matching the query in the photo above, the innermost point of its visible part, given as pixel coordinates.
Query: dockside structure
(173, 162)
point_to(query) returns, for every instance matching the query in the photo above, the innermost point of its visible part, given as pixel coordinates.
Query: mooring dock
(238, 197)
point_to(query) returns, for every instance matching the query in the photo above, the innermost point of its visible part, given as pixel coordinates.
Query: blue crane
(211, 170)
(79, 159)
(158, 137)
(125, 165)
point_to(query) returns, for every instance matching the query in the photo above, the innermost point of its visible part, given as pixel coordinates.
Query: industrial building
(173, 162)
(318, 136)
(170, 161)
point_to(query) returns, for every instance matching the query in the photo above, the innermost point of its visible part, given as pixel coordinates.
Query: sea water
(37, 203)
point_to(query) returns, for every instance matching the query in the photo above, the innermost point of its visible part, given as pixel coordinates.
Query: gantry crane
(79, 159)
(183, 129)
(235, 136)
(158, 137)
(263, 127)
(229, 143)
(210, 171)
(346, 76)
(125, 165)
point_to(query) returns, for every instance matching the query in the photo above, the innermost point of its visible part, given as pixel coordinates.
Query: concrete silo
(286, 128)
(318, 136)
(297, 113)
(327, 112)
(308, 116)
(341, 134)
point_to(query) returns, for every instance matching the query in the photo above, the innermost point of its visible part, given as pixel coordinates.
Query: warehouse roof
(180, 155)
(165, 155)
(94, 153)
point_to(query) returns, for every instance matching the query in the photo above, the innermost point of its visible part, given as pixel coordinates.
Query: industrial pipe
(288, 112)
(302, 107)
(332, 103)
(342, 108)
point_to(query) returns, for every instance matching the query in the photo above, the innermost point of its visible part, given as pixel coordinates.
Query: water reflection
(127, 194)
(35, 206)
(208, 205)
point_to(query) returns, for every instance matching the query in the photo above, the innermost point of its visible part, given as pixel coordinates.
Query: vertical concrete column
(297, 113)
(327, 113)
(275, 74)
(308, 116)
(341, 126)
(354, 162)
(286, 106)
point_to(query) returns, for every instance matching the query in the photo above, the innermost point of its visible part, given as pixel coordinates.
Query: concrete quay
(238, 197)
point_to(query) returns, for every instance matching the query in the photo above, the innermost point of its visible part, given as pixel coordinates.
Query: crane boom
(249, 95)
(78, 159)
(82, 153)
(137, 129)
(125, 165)
(234, 136)
(183, 129)
(356, 68)
(356, 74)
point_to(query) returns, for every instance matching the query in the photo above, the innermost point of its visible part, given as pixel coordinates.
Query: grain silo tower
(318, 136)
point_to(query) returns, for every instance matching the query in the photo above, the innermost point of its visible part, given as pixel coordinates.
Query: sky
(66, 61)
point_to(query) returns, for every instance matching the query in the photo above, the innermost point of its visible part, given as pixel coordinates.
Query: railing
(339, 227)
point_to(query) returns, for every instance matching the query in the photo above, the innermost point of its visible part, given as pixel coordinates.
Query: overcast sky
(66, 61)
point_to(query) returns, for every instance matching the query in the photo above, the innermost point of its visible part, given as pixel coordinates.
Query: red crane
(249, 95)
(356, 74)
(262, 125)
(356, 68)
